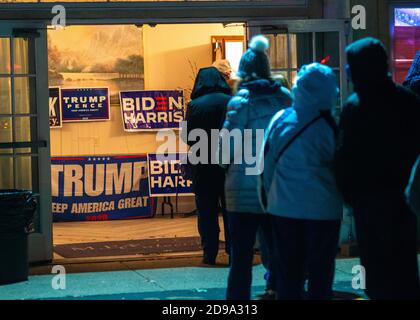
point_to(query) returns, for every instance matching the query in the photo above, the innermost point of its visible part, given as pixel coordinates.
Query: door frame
(342, 26)
(39, 242)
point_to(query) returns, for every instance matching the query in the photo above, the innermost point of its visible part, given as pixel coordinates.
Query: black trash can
(17, 208)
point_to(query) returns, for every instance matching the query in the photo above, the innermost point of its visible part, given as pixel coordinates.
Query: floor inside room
(155, 236)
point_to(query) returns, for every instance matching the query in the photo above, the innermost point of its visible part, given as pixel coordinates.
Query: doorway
(123, 58)
(293, 43)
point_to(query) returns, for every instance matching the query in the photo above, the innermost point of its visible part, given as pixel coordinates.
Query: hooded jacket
(412, 81)
(379, 129)
(252, 108)
(300, 183)
(206, 111)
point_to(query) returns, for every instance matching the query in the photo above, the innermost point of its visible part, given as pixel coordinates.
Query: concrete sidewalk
(190, 283)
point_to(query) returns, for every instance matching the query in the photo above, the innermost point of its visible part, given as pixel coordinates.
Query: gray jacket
(252, 108)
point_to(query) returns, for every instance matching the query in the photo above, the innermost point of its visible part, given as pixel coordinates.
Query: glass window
(4, 56)
(6, 173)
(328, 49)
(24, 176)
(23, 129)
(6, 132)
(278, 51)
(5, 96)
(24, 91)
(22, 63)
(303, 50)
(406, 40)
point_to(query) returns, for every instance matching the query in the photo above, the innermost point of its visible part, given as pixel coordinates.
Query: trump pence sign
(85, 104)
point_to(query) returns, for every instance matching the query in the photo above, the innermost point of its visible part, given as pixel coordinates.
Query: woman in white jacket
(298, 186)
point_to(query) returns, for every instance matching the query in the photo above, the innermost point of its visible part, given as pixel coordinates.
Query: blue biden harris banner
(152, 110)
(96, 188)
(165, 175)
(85, 104)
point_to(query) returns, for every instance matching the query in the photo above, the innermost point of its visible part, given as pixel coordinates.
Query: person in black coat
(206, 111)
(378, 145)
(412, 81)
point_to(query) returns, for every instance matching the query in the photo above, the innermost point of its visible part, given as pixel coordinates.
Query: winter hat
(254, 63)
(224, 67)
(368, 61)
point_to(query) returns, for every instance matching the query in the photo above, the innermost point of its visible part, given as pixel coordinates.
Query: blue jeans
(305, 247)
(243, 228)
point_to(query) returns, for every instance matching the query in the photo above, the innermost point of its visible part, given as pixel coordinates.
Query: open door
(294, 43)
(24, 125)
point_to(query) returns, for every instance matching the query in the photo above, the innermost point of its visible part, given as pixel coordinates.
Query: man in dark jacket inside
(378, 145)
(206, 111)
(412, 81)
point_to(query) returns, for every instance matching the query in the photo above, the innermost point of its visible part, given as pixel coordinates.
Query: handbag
(412, 192)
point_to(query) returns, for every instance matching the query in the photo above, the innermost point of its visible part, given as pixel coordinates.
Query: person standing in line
(298, 187)
(412, 81)
(206, 111)
(265, 237)
(224, 68)
(257, 99)
(378, 145)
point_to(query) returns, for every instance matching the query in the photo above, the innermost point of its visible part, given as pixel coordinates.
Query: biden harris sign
(96, 188)
(152, 110)
(165, 175)
(85, 104)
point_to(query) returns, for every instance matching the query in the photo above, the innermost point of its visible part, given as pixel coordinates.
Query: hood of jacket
(368, 66)
(413, 77)
(316, 89)
(209, 80)
(265, 89)
(261, 87)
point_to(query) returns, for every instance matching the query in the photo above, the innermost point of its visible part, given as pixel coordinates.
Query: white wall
(173, 53)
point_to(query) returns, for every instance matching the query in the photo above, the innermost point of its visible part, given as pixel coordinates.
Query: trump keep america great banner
(92, 188)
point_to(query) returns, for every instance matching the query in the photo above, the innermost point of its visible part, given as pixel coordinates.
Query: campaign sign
(96, 188)
(55, 107)
(165, 178)
(85, 104)
(152, 110)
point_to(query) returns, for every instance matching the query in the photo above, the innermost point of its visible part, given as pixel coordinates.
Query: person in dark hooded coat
(206, 111)
(412, 81)
(377, 147)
